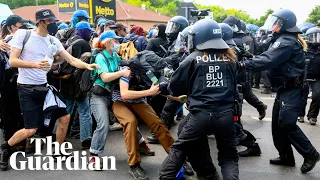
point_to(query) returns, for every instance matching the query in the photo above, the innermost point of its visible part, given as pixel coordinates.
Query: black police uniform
(286, 61)
(210, 86)
(313, 55)
(244, 78)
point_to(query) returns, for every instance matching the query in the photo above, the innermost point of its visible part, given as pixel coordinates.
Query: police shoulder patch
(276, 44)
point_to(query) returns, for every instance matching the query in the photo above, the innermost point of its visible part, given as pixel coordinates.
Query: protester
(31, 59)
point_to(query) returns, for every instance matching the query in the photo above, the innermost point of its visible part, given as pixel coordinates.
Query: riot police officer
(286, 61)
(244, 78)
(176, 25)
(313, 55)
(244, 137)
(206, 76)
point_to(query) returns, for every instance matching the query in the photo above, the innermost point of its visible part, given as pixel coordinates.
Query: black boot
(285, 160)
(266, 91)
(188, 169)
(253, 150)
(262, 112)
(4, 156)
(256, 86)
(309, 163)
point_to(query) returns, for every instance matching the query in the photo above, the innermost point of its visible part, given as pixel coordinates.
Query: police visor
(172, 27)
(313, 37)
(181, 42)
(273, 23)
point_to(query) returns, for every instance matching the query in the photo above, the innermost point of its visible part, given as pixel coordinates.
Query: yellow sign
(83, 5)
(66, 5)
(104, 11)
(106, 0)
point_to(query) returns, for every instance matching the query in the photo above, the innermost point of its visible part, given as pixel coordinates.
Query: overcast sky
(257, 8)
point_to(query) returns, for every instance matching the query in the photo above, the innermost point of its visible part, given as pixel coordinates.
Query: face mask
(155, 33)
(52, 28)
(116, 47)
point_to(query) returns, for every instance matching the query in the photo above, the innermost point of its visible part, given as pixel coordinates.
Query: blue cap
(102, 22)
(81, 13)
(83, 25)
(63, 26)
(3, 22)
(109, 34)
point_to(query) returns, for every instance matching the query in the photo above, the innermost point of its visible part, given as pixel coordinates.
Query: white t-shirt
(35, 50)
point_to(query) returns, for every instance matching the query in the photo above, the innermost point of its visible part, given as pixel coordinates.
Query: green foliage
(165, 7)
(18, 3)
(314, 16)
(219, 14)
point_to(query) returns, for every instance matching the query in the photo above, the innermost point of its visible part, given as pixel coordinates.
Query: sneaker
(283, 161)
(137, 172)
(301, 119)
(254, 150)
(313, 121)
(93, 162)
(86, 144)
(309, 163)
(4, 158)
(262, 112)
(153, 139)
(115, 126)
(145, 150)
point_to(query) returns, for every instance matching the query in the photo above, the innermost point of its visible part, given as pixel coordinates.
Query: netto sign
(106, 8)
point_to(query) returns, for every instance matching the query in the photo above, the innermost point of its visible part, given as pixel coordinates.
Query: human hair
(223, 54)
(97, 44)
(303, 42)
(5, 31)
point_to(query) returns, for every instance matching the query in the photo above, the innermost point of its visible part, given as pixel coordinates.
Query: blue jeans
(84, 117)
(99, 108)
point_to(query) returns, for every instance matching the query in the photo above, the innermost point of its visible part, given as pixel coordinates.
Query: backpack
(127, 50)
(88, 77)
(62, 69)
(4, 57)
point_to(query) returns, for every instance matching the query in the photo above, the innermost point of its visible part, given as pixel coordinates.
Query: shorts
(31, 103)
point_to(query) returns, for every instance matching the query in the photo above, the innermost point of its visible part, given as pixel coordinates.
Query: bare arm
(77, 62)
(127, 94)
(14, 61)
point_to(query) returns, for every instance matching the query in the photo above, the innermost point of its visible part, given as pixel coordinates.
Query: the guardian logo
(72, 162)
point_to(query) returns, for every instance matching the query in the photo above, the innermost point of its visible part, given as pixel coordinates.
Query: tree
(13, 4)
(314, 16)
(263, 18)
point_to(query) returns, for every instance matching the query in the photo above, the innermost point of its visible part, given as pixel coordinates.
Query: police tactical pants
(315, 104)
(193, 143)
(285, 131)
(169, 111)
(265, 79)
(251, 98)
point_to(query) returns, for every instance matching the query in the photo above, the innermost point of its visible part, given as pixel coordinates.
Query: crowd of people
(111, 77)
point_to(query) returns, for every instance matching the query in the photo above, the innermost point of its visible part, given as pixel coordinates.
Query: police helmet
(234, 23)
(284, 19)
(304, 29)
(313, 35)
(227, 34)
(206, 34)
(176, 25)
(244, 27)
